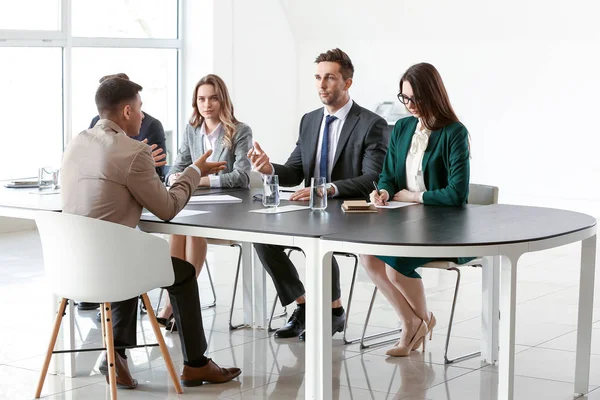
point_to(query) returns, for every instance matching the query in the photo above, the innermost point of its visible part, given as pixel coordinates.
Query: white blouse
(415, 181)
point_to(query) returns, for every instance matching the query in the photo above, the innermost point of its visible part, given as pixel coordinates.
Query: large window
(52, 58)
(31, 100)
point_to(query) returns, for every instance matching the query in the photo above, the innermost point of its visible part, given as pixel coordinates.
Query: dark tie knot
(329, 119)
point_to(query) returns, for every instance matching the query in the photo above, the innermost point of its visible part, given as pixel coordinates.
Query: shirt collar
(342, 113)
(214, 133)
(110, 124)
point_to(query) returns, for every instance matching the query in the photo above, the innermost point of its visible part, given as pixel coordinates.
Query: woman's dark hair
(113, 92)
(431, 98)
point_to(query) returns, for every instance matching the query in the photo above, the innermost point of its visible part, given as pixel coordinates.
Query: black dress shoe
(337, 325)
(294, 326)
(83, 306)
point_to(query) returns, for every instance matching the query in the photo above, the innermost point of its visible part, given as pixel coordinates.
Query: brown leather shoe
(124, 378)
(210, 373)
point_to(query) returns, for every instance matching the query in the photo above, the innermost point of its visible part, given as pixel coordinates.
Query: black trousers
(285, 276)
(186, 310)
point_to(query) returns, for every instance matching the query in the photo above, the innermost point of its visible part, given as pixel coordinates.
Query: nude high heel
(417, 339)
(431, 325)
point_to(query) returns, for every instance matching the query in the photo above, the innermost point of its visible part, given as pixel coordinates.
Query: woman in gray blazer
(212, 126)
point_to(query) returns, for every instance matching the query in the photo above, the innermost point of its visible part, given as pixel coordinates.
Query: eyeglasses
(405, 99)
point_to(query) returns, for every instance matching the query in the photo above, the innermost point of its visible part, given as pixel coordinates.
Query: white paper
(395, 204)
(285, 195)
(214, 199)
(182, 213)
(277, 210)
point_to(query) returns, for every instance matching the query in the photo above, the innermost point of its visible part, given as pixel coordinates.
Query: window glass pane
(125, 18)
(154, 69)
(43, 15)
(32, 110)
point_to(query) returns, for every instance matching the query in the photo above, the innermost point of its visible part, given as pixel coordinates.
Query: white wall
(252, 49)
(523, 77)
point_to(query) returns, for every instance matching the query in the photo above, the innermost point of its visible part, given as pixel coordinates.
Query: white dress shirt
(210, 142)
(415, 181)
(335, 129)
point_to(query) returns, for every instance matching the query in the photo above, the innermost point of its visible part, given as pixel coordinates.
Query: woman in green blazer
(427, 162)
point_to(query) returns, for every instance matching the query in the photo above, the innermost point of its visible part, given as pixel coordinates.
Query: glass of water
(271, 191)
(48, 178)
(318, 194)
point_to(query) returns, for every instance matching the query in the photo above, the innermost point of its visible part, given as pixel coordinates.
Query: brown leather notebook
(358, 206)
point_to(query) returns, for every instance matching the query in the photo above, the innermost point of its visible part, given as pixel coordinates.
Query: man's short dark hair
(119, 75)
(338, 56)
(113, 92)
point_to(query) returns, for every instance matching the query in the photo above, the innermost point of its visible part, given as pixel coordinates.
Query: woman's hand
(379, 199)
(406, 196)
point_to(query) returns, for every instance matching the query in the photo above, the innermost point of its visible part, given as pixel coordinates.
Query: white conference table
(499, 233)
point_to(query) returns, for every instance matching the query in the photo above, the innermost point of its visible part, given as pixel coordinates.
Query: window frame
(64, 39)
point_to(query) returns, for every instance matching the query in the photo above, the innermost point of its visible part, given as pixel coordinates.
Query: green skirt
(407, 265)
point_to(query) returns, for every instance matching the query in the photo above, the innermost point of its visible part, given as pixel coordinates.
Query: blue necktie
(325, 147)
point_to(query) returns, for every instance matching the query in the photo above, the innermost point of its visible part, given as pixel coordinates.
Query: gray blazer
(237, 173)
(358, 158)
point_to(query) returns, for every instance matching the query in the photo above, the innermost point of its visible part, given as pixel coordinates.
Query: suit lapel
(433, 141)
(312, 138)
(403, 147)
(351, 121)
(219, 146)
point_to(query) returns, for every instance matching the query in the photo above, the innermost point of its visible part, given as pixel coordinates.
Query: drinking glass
(48, 178)
(271, 191)
(318, 194)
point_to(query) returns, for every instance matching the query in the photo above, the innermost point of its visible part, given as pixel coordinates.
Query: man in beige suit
(108, 176)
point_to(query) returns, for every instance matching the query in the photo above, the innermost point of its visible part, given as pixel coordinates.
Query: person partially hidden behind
(344, 143)
(151, 132)
(427, 162)
(108, 176)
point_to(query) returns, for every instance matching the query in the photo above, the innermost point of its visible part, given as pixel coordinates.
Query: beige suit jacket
(109, 176)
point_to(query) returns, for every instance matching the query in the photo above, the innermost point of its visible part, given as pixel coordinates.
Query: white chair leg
(273, 317)
(466, 356)
(57, 321)
(375, 335)
(235, 285)
(212, 288)
(349, 305)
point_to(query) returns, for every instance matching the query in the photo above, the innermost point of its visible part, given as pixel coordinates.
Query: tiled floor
(274, 369)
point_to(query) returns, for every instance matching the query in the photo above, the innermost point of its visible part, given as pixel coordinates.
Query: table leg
(260, 293)
(247, 297)
(318, 322)
(584, 319)
(508, 303)
(490, 309)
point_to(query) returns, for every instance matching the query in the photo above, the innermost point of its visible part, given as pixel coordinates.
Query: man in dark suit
(344, 143)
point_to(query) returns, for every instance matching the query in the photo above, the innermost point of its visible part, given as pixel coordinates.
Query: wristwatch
(330, 190)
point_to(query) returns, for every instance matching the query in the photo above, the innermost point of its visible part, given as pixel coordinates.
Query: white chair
(95, 261)
(480, 195)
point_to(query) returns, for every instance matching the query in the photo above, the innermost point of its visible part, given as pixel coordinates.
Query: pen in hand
(377, 191)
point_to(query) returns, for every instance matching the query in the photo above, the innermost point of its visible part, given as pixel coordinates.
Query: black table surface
(236, 216)
(415, 225)
(421, 225)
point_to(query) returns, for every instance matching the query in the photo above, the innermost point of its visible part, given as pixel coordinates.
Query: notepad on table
(395, 204)
(357, 206)
(214, 199)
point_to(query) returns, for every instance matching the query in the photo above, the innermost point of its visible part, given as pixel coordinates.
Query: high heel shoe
(164, 321)
(431, 325)
(417, 339)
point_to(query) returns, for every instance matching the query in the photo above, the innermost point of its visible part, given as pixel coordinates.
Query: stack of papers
(214, 199)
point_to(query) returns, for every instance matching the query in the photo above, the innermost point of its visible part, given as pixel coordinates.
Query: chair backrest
(96, 261)
(256, 181)
(483, 194)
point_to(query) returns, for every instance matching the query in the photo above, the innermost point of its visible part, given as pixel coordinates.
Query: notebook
(214, 199)
(358, 206)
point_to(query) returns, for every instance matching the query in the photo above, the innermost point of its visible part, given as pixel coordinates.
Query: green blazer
(445, 163)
